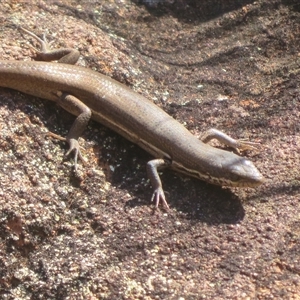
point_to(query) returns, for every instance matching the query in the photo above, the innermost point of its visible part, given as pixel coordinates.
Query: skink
(88, 94)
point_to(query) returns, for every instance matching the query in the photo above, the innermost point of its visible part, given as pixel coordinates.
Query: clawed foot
(73, 147)
(43, 42)
(158, 195)
(243, 145)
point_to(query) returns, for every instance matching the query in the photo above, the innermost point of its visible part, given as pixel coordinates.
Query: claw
(74, 147)
(158, 195)
(246, 145)
(56, 136)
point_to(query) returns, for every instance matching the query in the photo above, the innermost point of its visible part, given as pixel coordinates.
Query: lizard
(88, 94)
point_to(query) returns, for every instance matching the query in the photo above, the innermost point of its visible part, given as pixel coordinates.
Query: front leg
(152, 170)
(227, 140)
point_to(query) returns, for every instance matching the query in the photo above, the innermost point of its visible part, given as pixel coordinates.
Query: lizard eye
(235, 177)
